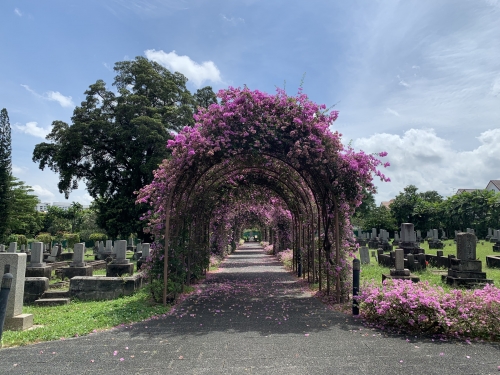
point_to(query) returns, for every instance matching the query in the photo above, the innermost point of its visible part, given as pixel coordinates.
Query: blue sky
(416, 78)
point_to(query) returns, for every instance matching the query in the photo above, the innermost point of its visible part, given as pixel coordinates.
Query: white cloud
(18, 170)
(42, 193)
(197, 73)
(18, 12)
(392, 112)
(430, 162)
(56, 96)
(233, 20)
(33, 129)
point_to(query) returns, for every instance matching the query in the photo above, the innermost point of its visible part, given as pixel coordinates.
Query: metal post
(4, 296)
(299, 264)
(355, 285)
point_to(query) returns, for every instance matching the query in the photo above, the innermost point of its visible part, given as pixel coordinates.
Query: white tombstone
(15, 320)
(78, 255)
(37, 255)
(121, 252)
(12, 247)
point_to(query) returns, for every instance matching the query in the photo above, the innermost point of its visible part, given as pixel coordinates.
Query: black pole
(355, 285)
(299, 264)
(4, 296)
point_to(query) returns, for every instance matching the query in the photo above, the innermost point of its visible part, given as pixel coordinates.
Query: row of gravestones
(463, 270)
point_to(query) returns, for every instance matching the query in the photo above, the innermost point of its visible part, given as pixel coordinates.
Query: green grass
(81, 318)
(374, 272)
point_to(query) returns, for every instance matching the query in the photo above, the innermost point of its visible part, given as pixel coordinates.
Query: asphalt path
(251, 317)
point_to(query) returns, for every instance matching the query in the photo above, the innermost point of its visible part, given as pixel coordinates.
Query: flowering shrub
(268, 249)
(420, 307)
(286, 257)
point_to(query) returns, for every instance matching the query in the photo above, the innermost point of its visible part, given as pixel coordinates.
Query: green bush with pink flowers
(404, 306)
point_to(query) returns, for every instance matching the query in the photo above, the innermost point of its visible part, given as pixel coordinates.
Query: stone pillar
(13, 247)
(407, 232)
(399, 259)
(435, 234)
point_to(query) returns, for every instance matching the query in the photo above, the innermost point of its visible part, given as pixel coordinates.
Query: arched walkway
(261, 160)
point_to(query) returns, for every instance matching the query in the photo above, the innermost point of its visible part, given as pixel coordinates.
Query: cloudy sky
(419, 79)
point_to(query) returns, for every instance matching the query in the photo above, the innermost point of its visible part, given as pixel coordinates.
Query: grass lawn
(374, 272)
(81, 318)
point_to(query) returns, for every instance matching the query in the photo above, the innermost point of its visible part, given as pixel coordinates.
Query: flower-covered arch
(255, 150)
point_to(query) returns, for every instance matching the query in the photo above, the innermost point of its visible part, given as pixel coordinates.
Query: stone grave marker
(15, 320)
(120, 265)
(364, 255)
(13, 247)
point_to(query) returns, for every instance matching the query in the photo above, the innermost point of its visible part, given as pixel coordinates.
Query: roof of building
(386, 204)
(496, 183)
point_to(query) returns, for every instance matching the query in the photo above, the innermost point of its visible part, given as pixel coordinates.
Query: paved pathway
(251, 317)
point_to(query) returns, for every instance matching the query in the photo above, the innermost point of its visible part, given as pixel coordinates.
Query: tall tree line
(5, 172)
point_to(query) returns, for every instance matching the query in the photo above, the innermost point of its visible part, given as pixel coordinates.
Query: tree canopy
(5, 172)
(116, 140)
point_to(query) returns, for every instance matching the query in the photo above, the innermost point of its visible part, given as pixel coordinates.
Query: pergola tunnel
(257, 161)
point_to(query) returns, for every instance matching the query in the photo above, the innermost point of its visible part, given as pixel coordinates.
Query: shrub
(44, 237)
(419, 307)
(72, 239)
(19, 238)
(286, 257)
(98, 237)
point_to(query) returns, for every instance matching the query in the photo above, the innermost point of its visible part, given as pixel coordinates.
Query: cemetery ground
(372, 272)
(84, 317)
(250, 316)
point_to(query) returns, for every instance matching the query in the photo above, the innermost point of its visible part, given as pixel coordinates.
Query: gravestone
(23, 248)
(78, 267)
(53, 255)
(12, 247)
(2, 248)
(435, 242)
(496, 240)
(466, 270)
(120, 265)
(15, 320)
(37, 267)
(399, 271)
(364, 255)
(144, 255)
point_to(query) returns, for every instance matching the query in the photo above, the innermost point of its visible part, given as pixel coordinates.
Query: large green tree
(5, 173)
(115, 141)
(24, 219)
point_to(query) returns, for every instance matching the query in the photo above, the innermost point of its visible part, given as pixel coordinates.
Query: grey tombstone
(121, 252)
(364, 255)
(490, 232)
(419, 234)
(101, 247)
(109, 246)
(53, 255)
(78, 255)
(37, 255)
(145, 250)
(23, 248)
(396, 236)
(466, 246)
(374, 233)
(2, 248)
(435, 234)
(407, 233)
(399, 259)
(12, 247)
